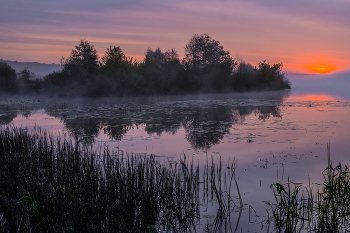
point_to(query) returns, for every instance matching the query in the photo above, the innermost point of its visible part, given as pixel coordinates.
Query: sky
(307, 36)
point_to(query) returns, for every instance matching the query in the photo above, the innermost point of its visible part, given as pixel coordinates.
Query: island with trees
(205, 68)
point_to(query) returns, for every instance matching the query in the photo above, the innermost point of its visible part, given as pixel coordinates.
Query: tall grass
(52, 184)
(326, 209)
(222, 183)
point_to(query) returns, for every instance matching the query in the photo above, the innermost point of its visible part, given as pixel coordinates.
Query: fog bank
(336, 84)
(39, 69)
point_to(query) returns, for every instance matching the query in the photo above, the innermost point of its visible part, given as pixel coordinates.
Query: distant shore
(206, 68)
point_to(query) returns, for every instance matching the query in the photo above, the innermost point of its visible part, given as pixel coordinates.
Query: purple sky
(298, 33)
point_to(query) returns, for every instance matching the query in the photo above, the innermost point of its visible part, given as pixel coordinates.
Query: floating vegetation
(52, 184)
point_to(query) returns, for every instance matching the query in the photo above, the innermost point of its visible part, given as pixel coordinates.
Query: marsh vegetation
(321, 208)
(51, 184)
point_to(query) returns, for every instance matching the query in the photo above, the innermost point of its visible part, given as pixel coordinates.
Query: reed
(326, 209)
(288, 211)
(53, 184)
(221, 182)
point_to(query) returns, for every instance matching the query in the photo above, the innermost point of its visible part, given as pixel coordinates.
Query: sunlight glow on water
(310, 97)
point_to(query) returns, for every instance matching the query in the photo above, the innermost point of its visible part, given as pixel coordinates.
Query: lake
(271, 136)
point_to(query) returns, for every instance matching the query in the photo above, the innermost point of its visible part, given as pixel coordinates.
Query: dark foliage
(80, 74)
(207, 64)
(7, 78)
(23, 82)
(27, 82)
(82, 61)
(115, 61)
(263, 77)
(271, 76)
(25, 76)
(206, 67)
(299, 208)
(161, 71)
(119, 72)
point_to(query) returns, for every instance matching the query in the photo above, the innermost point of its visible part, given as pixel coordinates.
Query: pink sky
(307, 36)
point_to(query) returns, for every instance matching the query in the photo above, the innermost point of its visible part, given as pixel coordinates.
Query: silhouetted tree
(80, 74)
(152, 70)
(156, 55)
(7, 78)
(115, 60)
(56, 78)
(25, 75)
(271, 76)
(161, 70)
(206, 59)
(265, 76)
(119, 72)
(244, 77)
(173, 70)
(82, 62)
(207, 67)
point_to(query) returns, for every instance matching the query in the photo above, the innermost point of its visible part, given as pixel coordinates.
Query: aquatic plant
(55, 184)
(288, 211)
(221, 187)
(324, 210)
(51, 184)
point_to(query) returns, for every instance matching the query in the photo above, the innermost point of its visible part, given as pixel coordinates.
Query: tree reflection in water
(206, 127)
(9, 112)
(7, 118)
(205, 122)
(83, 130)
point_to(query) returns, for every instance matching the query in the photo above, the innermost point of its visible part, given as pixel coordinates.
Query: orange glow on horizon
(318, 69)
(321, 69)
(317, 64)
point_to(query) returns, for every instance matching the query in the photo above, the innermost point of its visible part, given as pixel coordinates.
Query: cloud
(335, 12)
(278, 31)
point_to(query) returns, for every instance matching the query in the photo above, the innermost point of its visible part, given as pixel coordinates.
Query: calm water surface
(271, 136)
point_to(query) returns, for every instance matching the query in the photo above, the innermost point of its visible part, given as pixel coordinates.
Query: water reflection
(9, 112)
(205, 121)
(83, 129)
(206, 127)
(266, 111)
(7, 118)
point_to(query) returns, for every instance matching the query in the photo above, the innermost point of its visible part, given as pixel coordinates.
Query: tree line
(206, 67)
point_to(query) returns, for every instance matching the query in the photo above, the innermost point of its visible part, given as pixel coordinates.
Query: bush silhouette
(206, 67)
(7, 78)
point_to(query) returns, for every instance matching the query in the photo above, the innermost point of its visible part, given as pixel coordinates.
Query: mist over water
(336, 84)
(39, 69)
